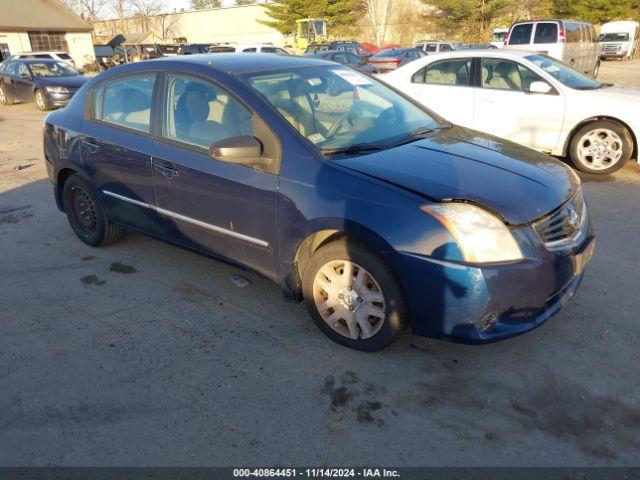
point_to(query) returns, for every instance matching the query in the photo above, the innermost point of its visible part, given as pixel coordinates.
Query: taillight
(561, 37)
(506, 39)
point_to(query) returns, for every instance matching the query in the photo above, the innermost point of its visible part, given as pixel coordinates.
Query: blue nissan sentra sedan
(373, 210)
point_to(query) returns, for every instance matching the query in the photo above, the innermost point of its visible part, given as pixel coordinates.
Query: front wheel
(353, 296)
(601, 147)
(41, 101)
(5, 99)
(86, 215)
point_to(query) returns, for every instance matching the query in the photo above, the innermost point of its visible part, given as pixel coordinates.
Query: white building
(237, 24)
(44, 25)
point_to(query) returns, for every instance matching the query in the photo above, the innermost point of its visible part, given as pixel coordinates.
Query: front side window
(498, 36)
(446, 72)
(445, 47)
(340, 58)
(431, 47)
(127, 101)
(200, 113)
(564, 73)
(352, 59)
(251, 50)
(23, 71)
(11, 69)
(546, 32)
(337, 108)
(499, 74)
(521, 34)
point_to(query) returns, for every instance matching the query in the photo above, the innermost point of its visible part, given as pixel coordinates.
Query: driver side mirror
(242, 150)
(539, 87)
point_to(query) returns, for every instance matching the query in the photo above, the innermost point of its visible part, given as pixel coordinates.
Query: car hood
(517, 183)
(615, 93)
(75, 81)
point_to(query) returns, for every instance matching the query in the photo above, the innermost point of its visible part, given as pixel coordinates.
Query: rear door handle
(167, 170)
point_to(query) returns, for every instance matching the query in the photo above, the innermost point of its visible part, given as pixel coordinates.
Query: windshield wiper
(416, 134)
(352, 149)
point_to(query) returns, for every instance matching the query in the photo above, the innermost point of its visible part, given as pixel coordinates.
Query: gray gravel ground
(145, 354)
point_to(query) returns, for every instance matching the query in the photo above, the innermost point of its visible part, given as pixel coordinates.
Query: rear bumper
(468, 304)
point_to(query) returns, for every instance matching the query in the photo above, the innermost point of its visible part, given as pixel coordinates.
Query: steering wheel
(348, 116)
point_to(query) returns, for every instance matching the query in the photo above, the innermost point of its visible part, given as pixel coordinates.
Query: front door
(445, 87)
(221, 208)
(23, 84)
(504, 107)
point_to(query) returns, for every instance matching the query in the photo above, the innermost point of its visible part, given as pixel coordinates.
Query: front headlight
(55, 89)
(481, 236)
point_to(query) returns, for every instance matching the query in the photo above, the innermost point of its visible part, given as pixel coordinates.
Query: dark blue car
(374, 211)
(48, 83)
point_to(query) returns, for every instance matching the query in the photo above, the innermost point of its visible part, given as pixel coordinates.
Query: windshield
(614, 37)
(498, 36)
(564, 73)
(337, 107)
(52, 69)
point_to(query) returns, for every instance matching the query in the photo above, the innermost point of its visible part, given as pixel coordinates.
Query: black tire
(86, 215)
(41, 101)
(5, 98)
(395, 305)
(622, 132)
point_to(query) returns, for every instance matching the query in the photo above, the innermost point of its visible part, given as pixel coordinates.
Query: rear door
(117, 149)
(504, 107)
(210, 205)
(446, 87)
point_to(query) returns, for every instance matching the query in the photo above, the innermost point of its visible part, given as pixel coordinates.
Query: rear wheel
(5, 99)
(601, 147)
(86, 215)
(353, 296)
(41, 100)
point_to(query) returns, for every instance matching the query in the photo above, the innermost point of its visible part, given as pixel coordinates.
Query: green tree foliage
(202, 4)
(597, 11)
(470, 20)
(340, 14)
(245, 2)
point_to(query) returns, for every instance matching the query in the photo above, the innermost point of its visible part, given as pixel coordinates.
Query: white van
(498, 36)
(572, 42)
(619, 40)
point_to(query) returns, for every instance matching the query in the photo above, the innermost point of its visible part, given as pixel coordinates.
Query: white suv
(247, 48)
(61, 56)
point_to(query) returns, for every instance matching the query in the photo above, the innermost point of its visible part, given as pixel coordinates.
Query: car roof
(38, 60)
(489, 52)
(241, 63)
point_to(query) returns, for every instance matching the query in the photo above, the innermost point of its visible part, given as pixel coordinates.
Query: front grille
(611, 48)
(565, 227)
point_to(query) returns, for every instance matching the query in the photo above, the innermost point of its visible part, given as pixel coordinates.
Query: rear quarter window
(521, 34)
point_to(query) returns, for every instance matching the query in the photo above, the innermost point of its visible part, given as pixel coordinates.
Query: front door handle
(165, 170)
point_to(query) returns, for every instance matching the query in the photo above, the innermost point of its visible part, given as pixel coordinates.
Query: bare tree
(121, 8)
(145, 10)
(166, 24)
(378, 13)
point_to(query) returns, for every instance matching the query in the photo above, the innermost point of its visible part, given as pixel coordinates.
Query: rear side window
(11, 69)
(445, 48)
(222, 49)
(431, 47)
(521, 34)
(64, 56)
(573, 33)
(127, 102)
(447, 72)
(250, 50)
(546, 33)
(268, 50)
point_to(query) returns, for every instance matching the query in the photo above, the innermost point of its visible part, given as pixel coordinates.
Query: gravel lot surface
(145, 354)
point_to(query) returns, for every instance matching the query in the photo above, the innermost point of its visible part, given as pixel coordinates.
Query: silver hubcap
(349, 299)
(600, 149)
(40, 100)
